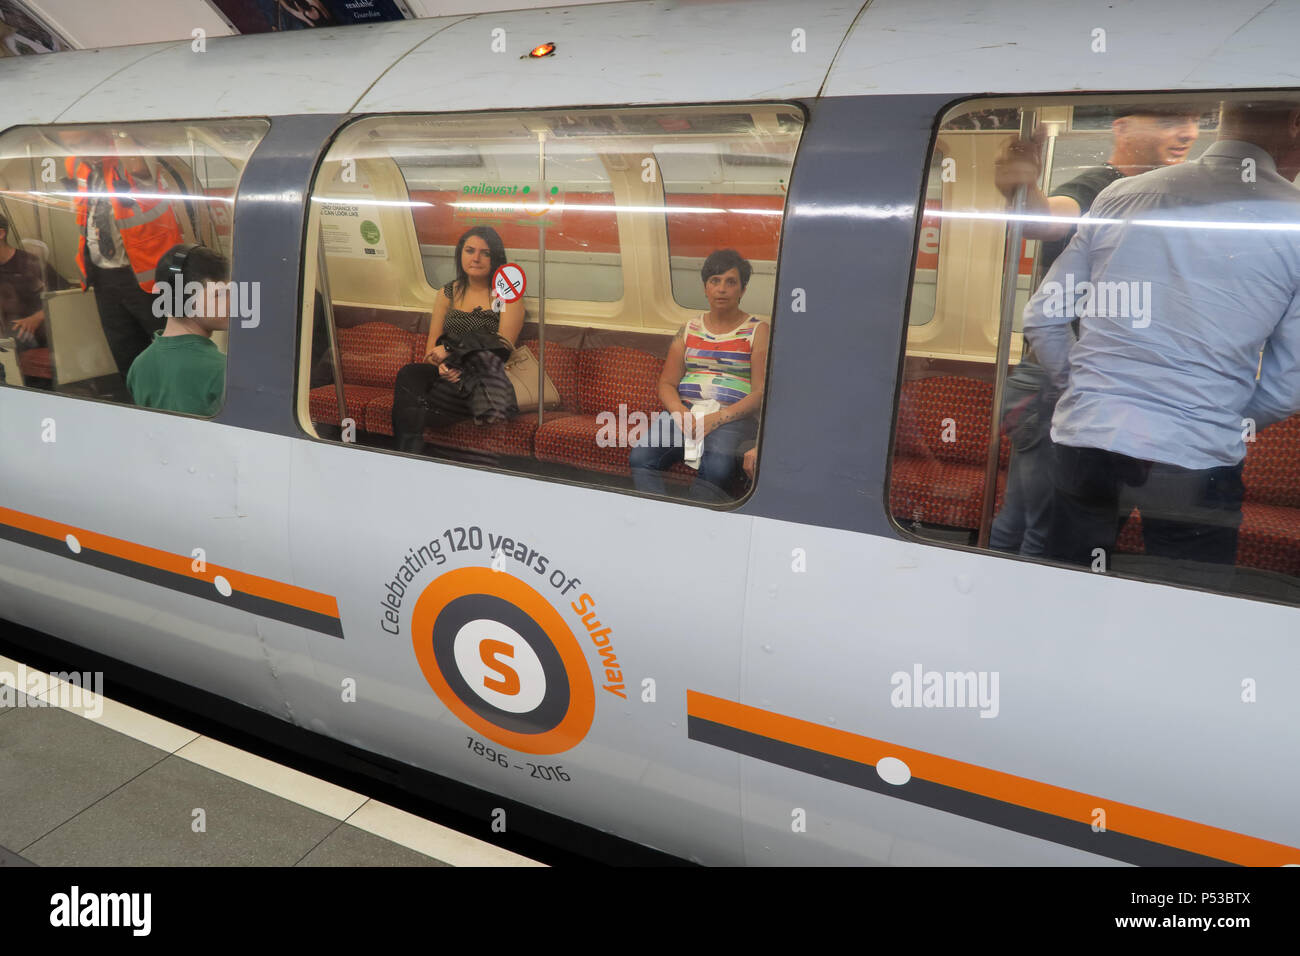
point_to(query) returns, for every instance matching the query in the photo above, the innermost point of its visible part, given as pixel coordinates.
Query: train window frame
(212, 142)
(310, 285)
(1042, 102)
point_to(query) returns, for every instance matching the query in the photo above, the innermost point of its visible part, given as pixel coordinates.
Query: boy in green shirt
(182, 370)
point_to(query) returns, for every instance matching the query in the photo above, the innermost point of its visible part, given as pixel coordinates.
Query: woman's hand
(437, 355)
(449, 373)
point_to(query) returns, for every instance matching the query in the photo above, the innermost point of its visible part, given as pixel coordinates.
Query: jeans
(1187, 514)
(718, 465)
(1021, 525)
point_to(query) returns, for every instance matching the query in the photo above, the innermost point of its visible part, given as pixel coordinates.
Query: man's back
(1195, 267)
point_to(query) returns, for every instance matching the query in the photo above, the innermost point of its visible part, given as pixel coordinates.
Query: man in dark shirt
(1145, 138)
(22, 280)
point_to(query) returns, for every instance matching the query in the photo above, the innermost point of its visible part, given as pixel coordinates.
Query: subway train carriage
(810, 654)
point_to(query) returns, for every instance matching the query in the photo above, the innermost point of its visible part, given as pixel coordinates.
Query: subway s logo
(503, 660)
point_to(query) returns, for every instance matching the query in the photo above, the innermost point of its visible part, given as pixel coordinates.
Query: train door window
(91, 213)
(499, 289)
(1144, 350)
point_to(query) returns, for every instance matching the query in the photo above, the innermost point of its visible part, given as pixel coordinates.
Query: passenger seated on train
(182, 370)
(22, 279)
(463, 373)
(711, 386)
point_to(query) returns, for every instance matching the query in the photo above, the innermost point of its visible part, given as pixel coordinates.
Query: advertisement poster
(22, 33)
(347, 229)
(264, 16)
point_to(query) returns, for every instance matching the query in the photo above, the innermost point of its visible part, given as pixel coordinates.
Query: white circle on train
(509, 282)
(892, 770)
(73, 544)
(223, 586)
(500, 666)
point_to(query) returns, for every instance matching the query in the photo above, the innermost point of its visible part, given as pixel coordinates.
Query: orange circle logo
(503, 660)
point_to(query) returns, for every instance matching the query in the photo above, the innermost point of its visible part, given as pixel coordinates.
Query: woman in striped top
(719, 356)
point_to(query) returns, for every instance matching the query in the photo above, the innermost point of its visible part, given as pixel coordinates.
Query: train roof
(659, 51)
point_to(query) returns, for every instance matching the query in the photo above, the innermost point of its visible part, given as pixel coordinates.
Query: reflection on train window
(508, 290)
(90, 218)
(1145, 421)
(726, 193)
(924, 285)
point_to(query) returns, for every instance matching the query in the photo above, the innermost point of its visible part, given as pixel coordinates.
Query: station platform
(88, 781)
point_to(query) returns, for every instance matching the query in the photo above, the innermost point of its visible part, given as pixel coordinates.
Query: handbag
(522, 369)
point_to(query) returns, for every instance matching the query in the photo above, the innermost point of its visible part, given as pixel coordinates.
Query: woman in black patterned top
(432, 393)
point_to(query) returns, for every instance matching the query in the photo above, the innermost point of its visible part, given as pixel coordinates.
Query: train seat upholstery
(370, 356)
(941, 483)
(36, 363)
(938, 472)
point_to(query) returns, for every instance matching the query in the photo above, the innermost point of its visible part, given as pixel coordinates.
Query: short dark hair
(197, 264)
(4, 223)
(724, 260)
(206, 265)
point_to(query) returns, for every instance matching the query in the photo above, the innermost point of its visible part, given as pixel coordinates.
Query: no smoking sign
(509, 283)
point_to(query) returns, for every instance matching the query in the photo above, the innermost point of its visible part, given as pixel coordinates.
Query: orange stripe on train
(277, 591)
(1008, 788)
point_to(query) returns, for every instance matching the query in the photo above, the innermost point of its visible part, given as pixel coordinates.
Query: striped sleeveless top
(717, 365)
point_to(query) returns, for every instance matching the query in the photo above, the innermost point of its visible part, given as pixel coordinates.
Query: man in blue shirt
(1179, 279)
(1146, 137)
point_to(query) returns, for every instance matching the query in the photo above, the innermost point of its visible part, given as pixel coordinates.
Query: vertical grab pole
(324, 282)
(1010, 276)
(541, 279)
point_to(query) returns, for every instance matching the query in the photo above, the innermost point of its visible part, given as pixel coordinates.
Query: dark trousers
(1187, 514)
(423, 399)
(125, 312)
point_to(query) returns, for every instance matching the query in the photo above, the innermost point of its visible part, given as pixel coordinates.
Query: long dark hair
(496, 253)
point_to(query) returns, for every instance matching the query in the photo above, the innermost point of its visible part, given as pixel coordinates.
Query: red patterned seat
(324, 403)
(36, 363)
(370, 355)
(940, 450)
(512, 438)
(607, 377)
(1272, 461)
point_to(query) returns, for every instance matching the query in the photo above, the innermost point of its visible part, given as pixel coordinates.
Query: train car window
(499, 290)
(92, 217)
(1144, 349)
